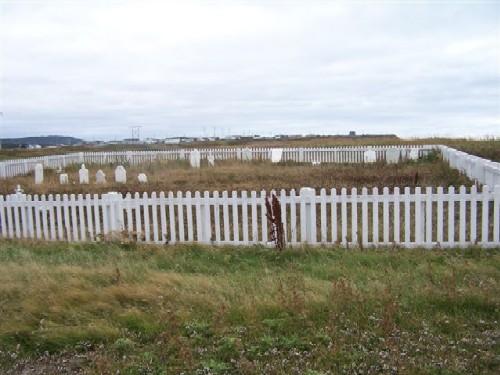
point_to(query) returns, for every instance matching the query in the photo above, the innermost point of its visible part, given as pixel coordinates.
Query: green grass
(100, 308)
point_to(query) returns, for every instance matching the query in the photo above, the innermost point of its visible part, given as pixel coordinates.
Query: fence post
(113, 207)
(308, 215)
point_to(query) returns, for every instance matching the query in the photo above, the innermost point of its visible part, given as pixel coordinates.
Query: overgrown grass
(100, 308)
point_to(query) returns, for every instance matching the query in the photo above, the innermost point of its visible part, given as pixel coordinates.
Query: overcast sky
(93, 69)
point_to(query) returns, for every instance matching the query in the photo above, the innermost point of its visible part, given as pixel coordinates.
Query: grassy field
(234, 175)
(488, 147)
(109, 308)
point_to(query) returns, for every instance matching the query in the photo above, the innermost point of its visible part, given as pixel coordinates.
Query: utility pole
(136, 132)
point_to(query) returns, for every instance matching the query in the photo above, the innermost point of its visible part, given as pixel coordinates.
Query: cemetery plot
(195, 174)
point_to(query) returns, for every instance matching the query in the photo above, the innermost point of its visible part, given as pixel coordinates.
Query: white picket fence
(347, 154)
(412, 218)
(478, 169)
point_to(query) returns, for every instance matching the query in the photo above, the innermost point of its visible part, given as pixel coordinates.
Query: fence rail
(411, 218)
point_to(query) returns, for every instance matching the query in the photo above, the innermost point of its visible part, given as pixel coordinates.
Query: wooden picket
(426, 218)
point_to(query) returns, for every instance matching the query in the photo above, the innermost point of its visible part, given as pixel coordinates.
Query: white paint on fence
(100, 177)
(120, 175)
(195, 158)
(63, 179)
(39, 173)
(83, 175)
(417, 218)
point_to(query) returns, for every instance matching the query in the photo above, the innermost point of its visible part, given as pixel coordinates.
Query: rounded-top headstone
(120, 175)
(39, 173)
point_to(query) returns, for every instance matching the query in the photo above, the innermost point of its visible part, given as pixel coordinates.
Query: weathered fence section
(347, 154)
(430, 217)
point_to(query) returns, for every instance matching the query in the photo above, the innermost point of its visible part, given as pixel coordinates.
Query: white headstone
(211, 160)
(246, 154)
(276, 154)
(83, 174)
(413, 155)
(315, 162)
(39, 174)
(19, 189)
(143, 179)
(195, 158)
(182, 154)
(238, 154)
(120, 175)
(370, 156)
(100, 177)
(63, 179)
(392, 155)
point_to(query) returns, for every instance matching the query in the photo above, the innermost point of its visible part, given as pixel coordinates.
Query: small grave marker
(120, 175)
(100, 177)
(83, 174)
(370, 156)
(143, 179)
(195, 158)
(63, 179)
(39, 173)
(276, 154)
(392, 155)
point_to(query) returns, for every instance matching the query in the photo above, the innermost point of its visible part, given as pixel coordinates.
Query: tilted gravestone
(120, 175)
(63, 179)
(392, 155)
(39, 173)
(143, 179)
(83, 175)
(100, 177)
(195, 158)
(370, 156)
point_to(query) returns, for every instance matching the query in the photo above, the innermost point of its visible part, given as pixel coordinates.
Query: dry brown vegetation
(234, 175)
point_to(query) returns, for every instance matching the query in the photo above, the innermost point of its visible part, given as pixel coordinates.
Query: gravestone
(195, 158)
(120, 175)
(83, 174)
(316, 162)
(143, 179)
(100, 177)
(39, 173)
(211, 160)
(370, 156)
(276, 154)
(246, 154)
(239, 155)
(392, 155)
(413, 155)
(63, 179)
(182, 155)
